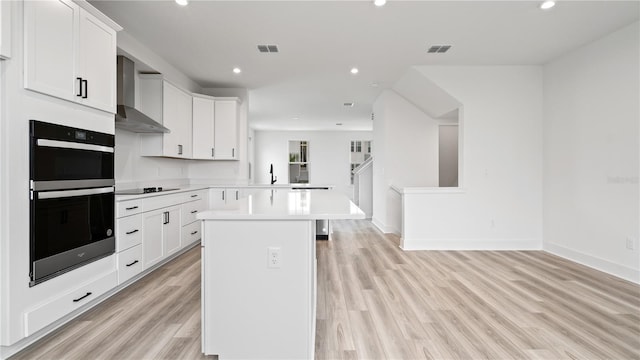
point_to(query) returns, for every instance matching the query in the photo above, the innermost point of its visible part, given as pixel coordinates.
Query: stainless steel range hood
(127, 116)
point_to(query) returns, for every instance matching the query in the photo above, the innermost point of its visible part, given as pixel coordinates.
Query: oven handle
(70, 193)
(73, 145)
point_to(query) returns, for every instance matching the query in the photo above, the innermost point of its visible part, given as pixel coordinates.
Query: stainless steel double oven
(72, 198)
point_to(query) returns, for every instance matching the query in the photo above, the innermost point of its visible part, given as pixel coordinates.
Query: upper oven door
(68, 158)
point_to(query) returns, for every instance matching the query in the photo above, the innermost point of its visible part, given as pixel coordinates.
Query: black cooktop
(146, 190)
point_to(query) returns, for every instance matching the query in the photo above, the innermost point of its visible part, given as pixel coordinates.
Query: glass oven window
(71, 164)
(66, 223)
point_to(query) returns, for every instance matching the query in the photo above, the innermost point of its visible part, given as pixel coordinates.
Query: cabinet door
(97, 63)
(152, 235)
(203, 128)
(50, 48)
(226, 129)
(5, 29)
(177, 117)
(217, 198)
(171, 231)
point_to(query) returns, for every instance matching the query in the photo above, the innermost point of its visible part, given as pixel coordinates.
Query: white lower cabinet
(129, 263)
(54, 309)
(222, 197)
(128, 232)
(161, 234)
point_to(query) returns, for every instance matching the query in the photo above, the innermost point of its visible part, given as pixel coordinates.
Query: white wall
(329, 156)
(500, 206)
(591, 154)
(408, 156)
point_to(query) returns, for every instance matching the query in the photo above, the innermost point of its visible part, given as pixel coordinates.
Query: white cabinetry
(128, 239)
(172, 107)
(69, 54)
(226, 132)
(203, 127)
(161, 235)
(190, 225)
(5, 29)
(222, 197)
(215, 128)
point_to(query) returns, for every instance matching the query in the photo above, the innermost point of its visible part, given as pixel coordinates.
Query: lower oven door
(70, 228)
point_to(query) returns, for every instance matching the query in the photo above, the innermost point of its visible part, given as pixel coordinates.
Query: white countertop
(186, 188)
(286, 204)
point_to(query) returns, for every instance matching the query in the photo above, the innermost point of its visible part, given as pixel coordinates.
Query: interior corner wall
(500, 204)
(409, 156)
(591, 154)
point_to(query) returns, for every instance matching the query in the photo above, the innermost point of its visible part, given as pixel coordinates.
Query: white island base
(259, 274)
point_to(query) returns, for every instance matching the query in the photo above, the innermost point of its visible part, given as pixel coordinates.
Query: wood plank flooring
(378, 302)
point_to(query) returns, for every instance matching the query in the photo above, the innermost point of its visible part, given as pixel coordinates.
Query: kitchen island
(259, 273)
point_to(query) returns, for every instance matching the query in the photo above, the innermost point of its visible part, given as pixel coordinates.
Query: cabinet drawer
(129, 263)
(197, 195)
(128, 207)
(128, 232)
(190, 210)
(53, 310)
(162, 201)
(191, 233)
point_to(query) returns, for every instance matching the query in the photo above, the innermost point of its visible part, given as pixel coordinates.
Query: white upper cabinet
(226, 129)
(215, 128)
(203, 127)
(5, 29)
(69, 54)
(97, 63)
(172, 107)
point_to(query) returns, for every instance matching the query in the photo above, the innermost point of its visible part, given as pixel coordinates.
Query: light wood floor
(378, 302)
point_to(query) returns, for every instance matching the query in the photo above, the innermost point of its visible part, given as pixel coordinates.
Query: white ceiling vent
(439, 49)
(348, 104)
(268, 48)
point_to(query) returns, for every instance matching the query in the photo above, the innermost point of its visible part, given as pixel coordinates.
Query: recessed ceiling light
(547, 5)
(237, 70)
(379, 2)
(354, 70)
(182, 2)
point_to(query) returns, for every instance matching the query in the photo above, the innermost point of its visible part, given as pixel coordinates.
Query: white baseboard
(470, 244)
(606, 266)
(384, 228)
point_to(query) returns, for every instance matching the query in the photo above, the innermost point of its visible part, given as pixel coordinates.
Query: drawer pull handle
(194, 211)
(132, 232)
(133, 263)
(132, 208)
(194, 232)
(194, 195)
(82, 297)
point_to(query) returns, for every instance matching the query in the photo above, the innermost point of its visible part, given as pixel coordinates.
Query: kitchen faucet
(273, 178)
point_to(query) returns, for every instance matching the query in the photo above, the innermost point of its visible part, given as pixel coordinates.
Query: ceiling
(304, 86)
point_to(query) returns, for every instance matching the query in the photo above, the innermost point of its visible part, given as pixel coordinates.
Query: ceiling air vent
(439, 49)
(348, 104)
(268, 48)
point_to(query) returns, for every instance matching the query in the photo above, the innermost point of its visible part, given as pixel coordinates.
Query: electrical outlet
(274, 257)
(631, 243)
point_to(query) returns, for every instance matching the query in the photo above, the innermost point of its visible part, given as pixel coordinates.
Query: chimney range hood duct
(127, 116)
